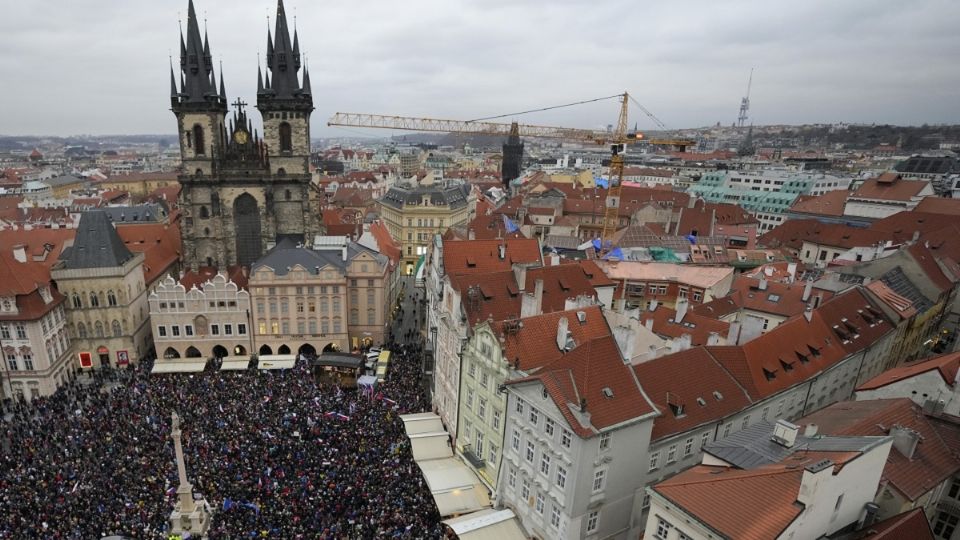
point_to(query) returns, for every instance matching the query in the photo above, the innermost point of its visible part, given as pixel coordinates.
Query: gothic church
(242, 193)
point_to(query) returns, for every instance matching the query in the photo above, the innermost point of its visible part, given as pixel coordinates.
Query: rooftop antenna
(745, 103)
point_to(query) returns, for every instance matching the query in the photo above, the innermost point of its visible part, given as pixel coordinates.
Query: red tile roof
(159, 242)
(939, 205)
(900, 305)
(385, 242)
(933, 460)
(593, 374)
(532, 341)
(36, 242)
(903, 225)
(910, 525)
(946, 365)
(830, 203)
(703, 379)
(756, 504)
(889, 187)
(23, 281)
(782, 299)
(791, 353)
(698, 327)
(483, 256)
(856, 324)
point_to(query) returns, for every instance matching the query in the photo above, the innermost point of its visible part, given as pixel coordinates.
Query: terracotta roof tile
(947, 365)
(899, 304)
(698, 327)
(703, 379)
(939, 205)
(482, 256)
(532, 341)
(756, 504)
(159, 242)
(932, 462)
(889, 187)
(593, 373)
(831, 203)
(910, 525)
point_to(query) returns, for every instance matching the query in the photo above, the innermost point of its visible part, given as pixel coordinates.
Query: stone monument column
(189, 515)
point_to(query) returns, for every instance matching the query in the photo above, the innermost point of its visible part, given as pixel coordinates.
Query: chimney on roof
(916, 236)
(868, 516)
(813, 475)
(763, 283)
(808, 313)
(810, 430)
(807, 289)
(653, 305)
(564, 338)
(682, 305)
(648, 324)
(714, 339)
(785, 433)
(20, 253)
(520, 273)
(502, 250)
(905, 440)
(471, 235)
(531, 304)
(792, 271)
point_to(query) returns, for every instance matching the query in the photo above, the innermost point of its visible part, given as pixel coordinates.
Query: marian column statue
(189, 515)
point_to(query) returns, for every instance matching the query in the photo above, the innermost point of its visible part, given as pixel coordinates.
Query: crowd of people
(276, 455)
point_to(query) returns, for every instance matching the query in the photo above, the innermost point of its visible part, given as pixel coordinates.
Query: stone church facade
(241, 192)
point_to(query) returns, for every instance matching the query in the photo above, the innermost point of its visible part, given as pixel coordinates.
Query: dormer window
(769, 374)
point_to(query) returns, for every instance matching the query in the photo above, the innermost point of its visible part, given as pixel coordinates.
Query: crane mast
(611, 214)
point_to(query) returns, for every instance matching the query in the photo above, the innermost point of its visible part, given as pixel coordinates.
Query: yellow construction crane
(617, 139)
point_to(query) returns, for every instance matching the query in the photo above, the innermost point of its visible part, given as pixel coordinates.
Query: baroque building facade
(240, 192)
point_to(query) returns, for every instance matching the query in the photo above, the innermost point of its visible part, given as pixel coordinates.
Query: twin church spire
(198, 88)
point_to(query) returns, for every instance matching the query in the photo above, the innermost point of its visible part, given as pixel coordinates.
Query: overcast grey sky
(101, 66)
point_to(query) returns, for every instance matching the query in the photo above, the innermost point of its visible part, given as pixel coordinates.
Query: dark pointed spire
(306, 81)
(260, 88)
(223, 88)
(173, 81)
(283, 59)
(199, 83)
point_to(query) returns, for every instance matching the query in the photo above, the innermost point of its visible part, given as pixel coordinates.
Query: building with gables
(105, 284)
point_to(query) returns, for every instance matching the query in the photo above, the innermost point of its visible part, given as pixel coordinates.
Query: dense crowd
(262, 447)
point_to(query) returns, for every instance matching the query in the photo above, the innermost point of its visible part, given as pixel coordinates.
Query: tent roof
(178, 367)
(233, 363)
(487, 525)
(277, 361)
(455, 488)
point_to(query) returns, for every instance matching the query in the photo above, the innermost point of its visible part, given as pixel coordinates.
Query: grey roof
(562, 241)
(455, 196)
(287, 254)
(97, 244)
(897, 280)
(149, 213)
(928, 165)
(64, 180)
(754, 446)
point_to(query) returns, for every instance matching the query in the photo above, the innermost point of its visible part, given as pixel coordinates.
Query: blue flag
(509, 225)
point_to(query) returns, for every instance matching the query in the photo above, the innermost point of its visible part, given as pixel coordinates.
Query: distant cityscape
(478, 329)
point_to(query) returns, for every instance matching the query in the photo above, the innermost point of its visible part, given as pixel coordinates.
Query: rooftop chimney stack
(20, 253)
(785, 433)
(807, 289)
(682, 305)
(905, 440)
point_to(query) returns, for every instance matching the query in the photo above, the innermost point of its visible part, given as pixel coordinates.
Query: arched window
(77, 304)
(111, 298)
(198, 142)
(81, 330)
(286, 137)
(98, 329)
(281, 171)
(287, 194)
(204, 213)
(94, 301)
(206, 232)
(117, 332)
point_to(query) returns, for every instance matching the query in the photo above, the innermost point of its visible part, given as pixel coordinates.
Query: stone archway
(283, 349)
(171, 353)
(331, 347)
(193, 352)
(307, 349)
(219, 351)
(246, 223)
(265, 350)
